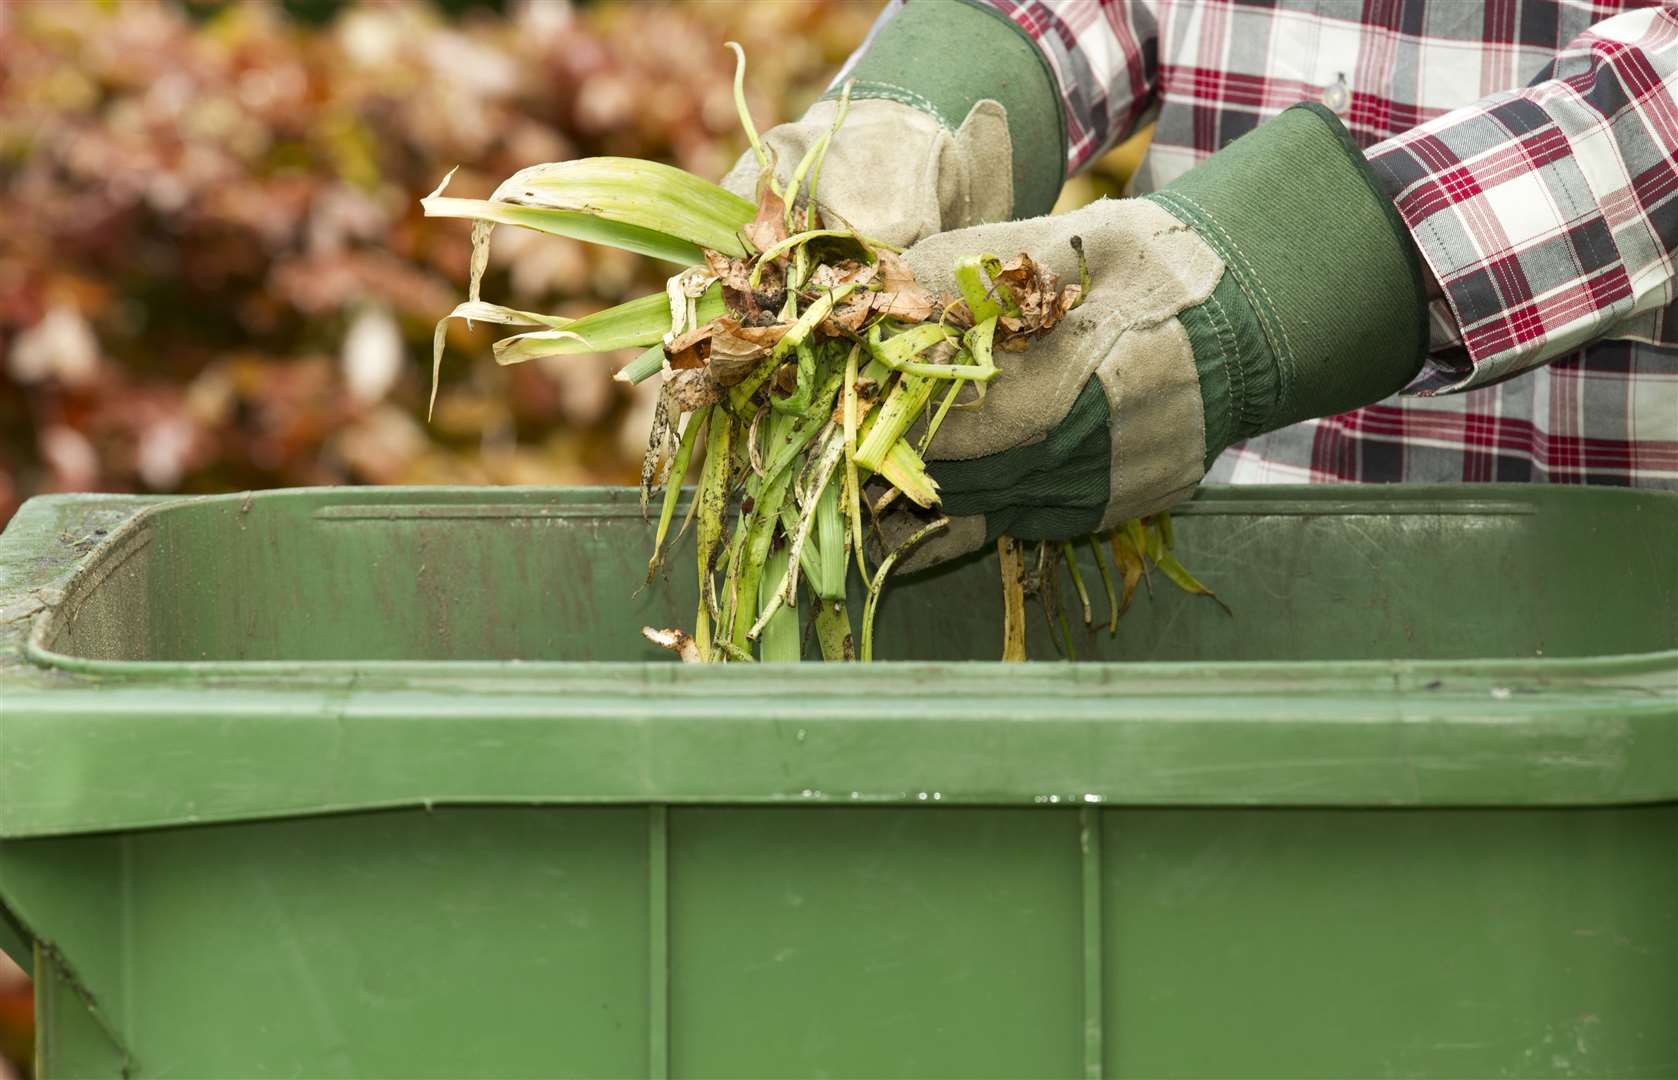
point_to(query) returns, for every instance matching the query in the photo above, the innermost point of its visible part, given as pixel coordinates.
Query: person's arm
(1105, 61)
(1548, 216)
(1271, 283)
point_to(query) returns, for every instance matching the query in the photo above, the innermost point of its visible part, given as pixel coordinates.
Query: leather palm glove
(1268, 285)
(962, 147)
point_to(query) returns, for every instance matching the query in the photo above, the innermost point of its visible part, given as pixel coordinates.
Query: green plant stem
(779, 640)
(887, 425)
(1071, 557)
(879, 581)
(833, 630)
(1107, 584)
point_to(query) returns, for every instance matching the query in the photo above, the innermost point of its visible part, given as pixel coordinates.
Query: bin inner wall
(552, 576)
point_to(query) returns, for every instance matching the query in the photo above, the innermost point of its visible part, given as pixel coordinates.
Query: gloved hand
(1270, 284)
(974, 142)
(893, 172)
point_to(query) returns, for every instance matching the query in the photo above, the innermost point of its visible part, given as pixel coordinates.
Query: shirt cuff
(1495, 197)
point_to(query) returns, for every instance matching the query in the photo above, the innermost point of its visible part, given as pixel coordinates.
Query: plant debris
(806, 352)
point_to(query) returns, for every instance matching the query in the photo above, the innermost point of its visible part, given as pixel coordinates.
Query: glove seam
(1237, 373)
(1269, 318)
(875, 90)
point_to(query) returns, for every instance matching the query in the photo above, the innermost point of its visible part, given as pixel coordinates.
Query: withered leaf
(954, 312)
(689, 390)
(909, 305)
(692, 349)
(769, 227)
(734, 274)
(894, 272)
(849, 317)
(942, 352)
(1036, 290)
(718, 264)
(913, 304)
(848, 272)
(736, 349)
(661, 444)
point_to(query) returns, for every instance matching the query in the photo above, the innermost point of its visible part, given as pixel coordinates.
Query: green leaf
(578, 226)
(1180, 577)
(673, 487)
(634, 325)
(645, 194)
(640, 206)
(898, 352)
(776, 250)
(879, 581)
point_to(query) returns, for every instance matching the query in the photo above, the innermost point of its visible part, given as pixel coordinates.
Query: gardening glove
(1268, 285)
(966, 146)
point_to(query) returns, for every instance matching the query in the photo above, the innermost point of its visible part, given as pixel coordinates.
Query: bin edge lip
(1326, 676)
(432, 805)
(1626, 670)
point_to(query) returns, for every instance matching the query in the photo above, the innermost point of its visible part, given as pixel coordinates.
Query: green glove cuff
(943, 58)
(1322, 309)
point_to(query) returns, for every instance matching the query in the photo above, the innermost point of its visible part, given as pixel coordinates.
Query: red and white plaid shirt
(1530, 145)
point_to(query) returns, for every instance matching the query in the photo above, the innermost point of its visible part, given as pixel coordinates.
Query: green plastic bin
(385, 783)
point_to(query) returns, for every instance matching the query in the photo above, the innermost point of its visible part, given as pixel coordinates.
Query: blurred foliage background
(214, 274)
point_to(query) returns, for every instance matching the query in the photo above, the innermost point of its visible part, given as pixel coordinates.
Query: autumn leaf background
(214, 274)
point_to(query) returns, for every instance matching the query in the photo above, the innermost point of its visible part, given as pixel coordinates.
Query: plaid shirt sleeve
(1548, 215)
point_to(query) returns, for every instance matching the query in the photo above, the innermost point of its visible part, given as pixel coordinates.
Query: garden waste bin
(386, 783)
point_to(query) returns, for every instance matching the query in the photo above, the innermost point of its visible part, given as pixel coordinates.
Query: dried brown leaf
(913, 304)
(832, 276)
(769, 227)
(692, 349)
(849, 317)
(736, 349)
(894, 272)
(689, 390)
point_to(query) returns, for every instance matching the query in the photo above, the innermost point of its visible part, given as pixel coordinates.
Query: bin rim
(241, 741)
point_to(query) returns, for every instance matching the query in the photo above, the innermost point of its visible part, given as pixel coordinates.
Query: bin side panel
(70, 1040)
(67, 899)
(851, 941)
(875, 942)
(391, 944)
(1298, 943)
